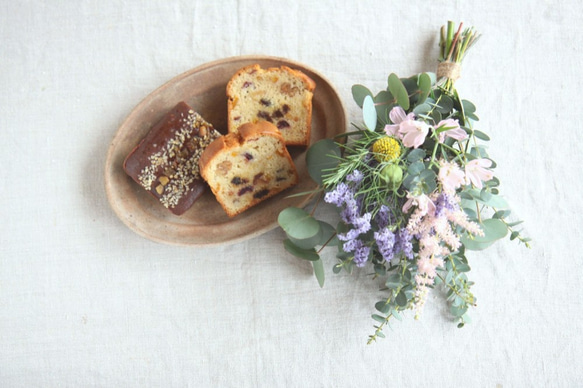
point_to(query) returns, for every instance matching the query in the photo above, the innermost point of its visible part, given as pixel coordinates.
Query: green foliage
(398, 90)
(302, 253)
(359, 93)
(494, 229)
(319, 271)
(299, 224)
(425, 85)
(322, 158)
(369, 113)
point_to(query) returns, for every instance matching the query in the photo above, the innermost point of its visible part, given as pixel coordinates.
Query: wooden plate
(206, 223)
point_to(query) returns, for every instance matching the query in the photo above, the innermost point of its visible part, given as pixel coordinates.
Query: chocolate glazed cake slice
(165, 162)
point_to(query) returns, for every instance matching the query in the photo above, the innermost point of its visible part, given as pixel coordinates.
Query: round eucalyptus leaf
(427, 175)
(369, 113)
(471, 213)
(494, 229)
(322, 157)
(411, 84)
(410, 181)
(384, 102)
(428, 180)
(383, 97)
(380, 270)
(359, 92)
(481, 135)
(401, 299)
(398, 90)
(425, 85)
(469, 107)
(383, 307)
(305, 254)
(416, 155)
(495, 201)
(462, 267)
(298, 223)
(416, 168)
(422, 109)
(393, 281)
(307, 243)
(328, 236)
(319, 271)
(444, 104)
(436, 116)
(473, 117)
(458, 311)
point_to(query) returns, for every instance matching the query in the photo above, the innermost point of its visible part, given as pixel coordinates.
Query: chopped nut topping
(175, 166)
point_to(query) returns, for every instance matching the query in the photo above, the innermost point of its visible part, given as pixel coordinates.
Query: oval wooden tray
(203, 88)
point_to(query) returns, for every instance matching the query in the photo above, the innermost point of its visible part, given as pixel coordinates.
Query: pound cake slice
(165, 162)
(246, 167)
(279, 95)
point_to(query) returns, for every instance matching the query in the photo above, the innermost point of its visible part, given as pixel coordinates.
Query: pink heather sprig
(433, 222)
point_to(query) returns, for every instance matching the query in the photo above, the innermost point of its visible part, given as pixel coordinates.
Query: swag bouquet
(414, 188)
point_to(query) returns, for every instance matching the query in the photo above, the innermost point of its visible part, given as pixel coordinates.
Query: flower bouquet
(414, 188)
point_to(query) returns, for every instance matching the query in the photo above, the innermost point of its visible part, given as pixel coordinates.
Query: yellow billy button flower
(386, 149)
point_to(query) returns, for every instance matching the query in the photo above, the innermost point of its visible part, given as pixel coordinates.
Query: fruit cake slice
(279, 95)
(165, 162)
(246, 167)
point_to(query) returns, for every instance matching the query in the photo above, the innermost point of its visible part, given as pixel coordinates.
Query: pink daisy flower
(397, 116)
(476, 172)
(452, 129)
(414, 133)
(450, 176)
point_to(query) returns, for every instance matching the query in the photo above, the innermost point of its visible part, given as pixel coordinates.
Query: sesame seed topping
(179, 155)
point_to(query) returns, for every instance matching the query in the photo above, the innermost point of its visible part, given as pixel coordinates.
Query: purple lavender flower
(360, 249)
(355, 176)
(385, 240)
(351, 245)
(403, 243)
(350, 212)
(382, 218)
(445, 202)
(361, 254)
(360, 225)
(341, 193)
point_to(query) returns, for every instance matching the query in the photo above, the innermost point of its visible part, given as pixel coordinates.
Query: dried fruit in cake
(246, 167)
(279, 95)
(165, 162)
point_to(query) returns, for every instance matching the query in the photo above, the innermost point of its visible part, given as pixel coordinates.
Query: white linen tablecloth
(84, 301)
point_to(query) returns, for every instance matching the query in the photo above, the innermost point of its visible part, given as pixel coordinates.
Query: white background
(84, 301)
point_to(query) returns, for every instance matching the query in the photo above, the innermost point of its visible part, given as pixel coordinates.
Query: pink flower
(451, 128)
(476, 172)
(450, 176)
(397, 116)
(423, 203)
(414, 132)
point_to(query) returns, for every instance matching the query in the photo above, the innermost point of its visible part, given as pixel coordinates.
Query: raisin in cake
(165, 162)
(281, 96)
(244, 168)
